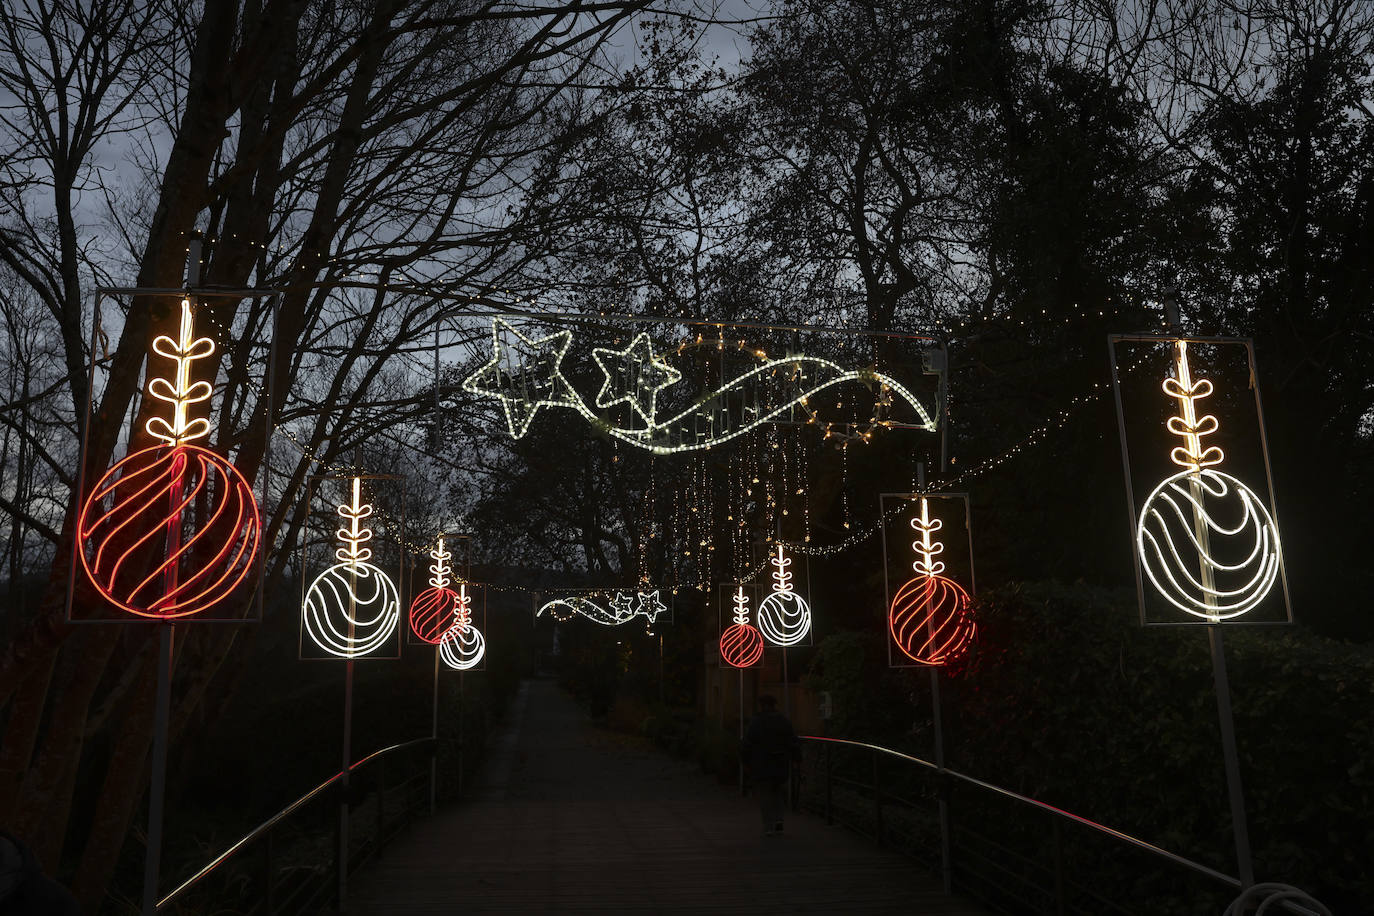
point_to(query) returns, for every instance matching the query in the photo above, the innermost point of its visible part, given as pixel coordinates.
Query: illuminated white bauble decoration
(1208, 544)
(784, 618)
(351, 609)
(462, 647)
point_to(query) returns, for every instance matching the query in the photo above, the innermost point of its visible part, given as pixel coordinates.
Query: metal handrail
(1291, 906)
(1049, 809)
(284, 813)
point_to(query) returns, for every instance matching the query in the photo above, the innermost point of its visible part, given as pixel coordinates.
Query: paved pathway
(572, 819)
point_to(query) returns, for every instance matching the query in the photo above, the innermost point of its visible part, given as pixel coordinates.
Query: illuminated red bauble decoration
(431, 613)
(173, 529)
(741, 644)
(433, 610)
(930, 620)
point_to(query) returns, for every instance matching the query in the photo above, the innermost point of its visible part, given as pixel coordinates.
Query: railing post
(269, 875)
(829, 807)
(1059, 902)
(877, 803)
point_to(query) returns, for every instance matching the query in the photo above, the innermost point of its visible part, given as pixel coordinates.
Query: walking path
(574, 819)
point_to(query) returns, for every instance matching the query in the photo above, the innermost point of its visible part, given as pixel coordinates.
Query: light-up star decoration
(637, 369)
(462, 646)
(929, 617)
(621, 608)
(527, 375)
(1205, 539)
(524, 375)
(784, 616)
(172, 529)
(741, 644)
(352, 608)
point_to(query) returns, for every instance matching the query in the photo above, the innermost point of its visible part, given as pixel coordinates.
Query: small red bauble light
(741, 645)
(431, 613)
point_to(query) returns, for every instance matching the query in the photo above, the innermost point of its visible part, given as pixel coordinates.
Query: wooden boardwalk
(571, 819)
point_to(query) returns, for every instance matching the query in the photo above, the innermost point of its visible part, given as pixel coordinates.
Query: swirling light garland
(1179, 532)
(741, 644)
(352, 608)
(524, 386)
(929, 617)
(172, 529)
(784, 616)
(623, 607)
(462, 645)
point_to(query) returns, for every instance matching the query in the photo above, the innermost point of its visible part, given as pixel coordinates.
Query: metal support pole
(741, 729)
(1232, 760)
(434, 736)
(946, 850)
(938, 728)
(158, 790)
(269, 875)
(461, 714)
(341, 864)
(1057, 832)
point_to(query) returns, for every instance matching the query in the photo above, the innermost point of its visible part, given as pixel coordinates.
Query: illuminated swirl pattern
(1208, 544)
(784, 618)
(351, 609)
(186, 490)
(741, 645)
(462, 647)
(431, 613)
(930, 620)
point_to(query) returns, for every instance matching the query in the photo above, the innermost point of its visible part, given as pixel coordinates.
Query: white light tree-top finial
(180, 391)
(1187, 424)
(741, 606)
(462, 608)
(927, 548)
(356, 534)
(782, 579)
(439, 570)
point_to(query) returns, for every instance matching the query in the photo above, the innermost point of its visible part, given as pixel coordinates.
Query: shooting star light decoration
(1205, 539)
(929, 618)
(462, 645)
(352, 608)
(526, 375)
(741, 644)
(172, 529)
(620, 609)
(784, 616)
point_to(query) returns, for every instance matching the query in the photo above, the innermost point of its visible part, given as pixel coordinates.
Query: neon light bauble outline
(621, 609)
(784, 616)
(741, 644)
(463, 645)
(172, 529)
(432, 610)
(929, 617)
(352, 608)
(1192, 516)
(524, 387)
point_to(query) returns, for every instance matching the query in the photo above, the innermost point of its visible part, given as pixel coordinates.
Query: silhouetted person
(24, 889)
(769, 748)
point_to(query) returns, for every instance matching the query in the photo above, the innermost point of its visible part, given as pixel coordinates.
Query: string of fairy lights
(779, 472)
